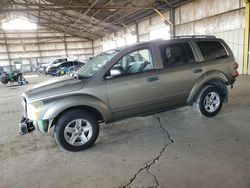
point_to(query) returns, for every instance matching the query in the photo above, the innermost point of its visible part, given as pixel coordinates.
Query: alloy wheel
(78, 132)
(212, 102)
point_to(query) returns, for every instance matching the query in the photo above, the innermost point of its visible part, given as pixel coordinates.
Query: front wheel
(76, 130)
(209, 101)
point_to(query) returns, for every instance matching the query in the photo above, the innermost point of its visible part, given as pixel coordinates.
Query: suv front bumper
(27, 126)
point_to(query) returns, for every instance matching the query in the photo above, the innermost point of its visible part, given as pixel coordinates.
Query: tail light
(236, 74)
(236, 65)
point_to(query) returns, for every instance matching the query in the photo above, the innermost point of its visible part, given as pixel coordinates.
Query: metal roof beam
(56, 7)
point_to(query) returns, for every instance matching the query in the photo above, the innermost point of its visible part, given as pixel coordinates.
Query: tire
(76, 130)
(209, 101)
(4, 81)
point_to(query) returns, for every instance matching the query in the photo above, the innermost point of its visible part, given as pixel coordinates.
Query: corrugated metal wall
(32, 48)
(125, 35)
(223, 18)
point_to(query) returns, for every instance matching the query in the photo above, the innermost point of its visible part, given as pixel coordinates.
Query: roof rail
(195, 36)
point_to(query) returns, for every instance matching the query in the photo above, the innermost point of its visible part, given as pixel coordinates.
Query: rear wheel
(209, 101)
(76, 130)
(4, 81)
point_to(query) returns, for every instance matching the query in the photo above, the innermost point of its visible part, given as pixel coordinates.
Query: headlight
(34, 110)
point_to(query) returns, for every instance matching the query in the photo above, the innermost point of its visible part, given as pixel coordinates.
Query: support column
(246, 38)
(137, 32)
(172, 20)
(93, 49)
(7, 50)
(39, 48)
(169, 22)
(65, 46)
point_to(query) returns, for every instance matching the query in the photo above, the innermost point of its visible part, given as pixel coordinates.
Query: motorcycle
(14, 76)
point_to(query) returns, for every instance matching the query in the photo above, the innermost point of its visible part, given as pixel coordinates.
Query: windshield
(96, 64)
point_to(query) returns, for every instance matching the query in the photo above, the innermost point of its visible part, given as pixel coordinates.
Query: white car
(56, 61)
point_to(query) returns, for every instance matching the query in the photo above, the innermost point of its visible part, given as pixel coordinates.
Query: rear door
(138, 89)
(180, 73)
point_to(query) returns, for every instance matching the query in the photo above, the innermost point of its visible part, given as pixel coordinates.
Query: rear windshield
(212, 50)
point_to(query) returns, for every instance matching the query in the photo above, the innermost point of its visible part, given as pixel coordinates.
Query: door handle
(197, 70)
(151, 79)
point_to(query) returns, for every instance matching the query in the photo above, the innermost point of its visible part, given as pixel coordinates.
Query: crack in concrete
(155, 178)
(165, 131)
(153, 161)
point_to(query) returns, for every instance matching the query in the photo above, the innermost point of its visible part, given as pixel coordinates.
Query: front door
(137, 90)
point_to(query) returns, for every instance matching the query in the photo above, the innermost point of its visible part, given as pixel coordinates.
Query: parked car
(56, 61)
(136, 80)
(65, 66)
(39, 69)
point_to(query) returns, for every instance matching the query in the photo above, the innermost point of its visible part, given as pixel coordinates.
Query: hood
(52, 87)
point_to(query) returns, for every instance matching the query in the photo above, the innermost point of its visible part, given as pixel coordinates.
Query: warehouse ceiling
(89, 19)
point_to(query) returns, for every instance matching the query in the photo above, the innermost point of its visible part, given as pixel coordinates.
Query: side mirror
(115, 72)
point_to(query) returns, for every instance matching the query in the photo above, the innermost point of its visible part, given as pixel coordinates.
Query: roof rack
(195, 36)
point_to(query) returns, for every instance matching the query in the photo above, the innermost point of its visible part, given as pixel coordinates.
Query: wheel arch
(90, 109)
(86, 102)
(216, 78)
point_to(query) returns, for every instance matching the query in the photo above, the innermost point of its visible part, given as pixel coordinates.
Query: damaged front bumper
(27, 126)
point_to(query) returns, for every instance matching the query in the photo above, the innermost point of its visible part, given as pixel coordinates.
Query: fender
(77, 100)
(210, 75)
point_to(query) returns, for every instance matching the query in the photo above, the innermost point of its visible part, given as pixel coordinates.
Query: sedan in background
(63, 68)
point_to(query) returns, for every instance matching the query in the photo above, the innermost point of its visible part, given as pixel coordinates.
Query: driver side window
(134, 62)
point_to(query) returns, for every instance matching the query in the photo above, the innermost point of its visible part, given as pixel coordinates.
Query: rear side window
(62, 60)
(67, 64)
(77, 63)
(177, 54)
(212, 50)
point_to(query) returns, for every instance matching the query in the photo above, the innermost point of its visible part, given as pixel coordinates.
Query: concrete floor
(177, 148)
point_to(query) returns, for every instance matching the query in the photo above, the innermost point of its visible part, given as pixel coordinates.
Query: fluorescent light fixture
(19, 24)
